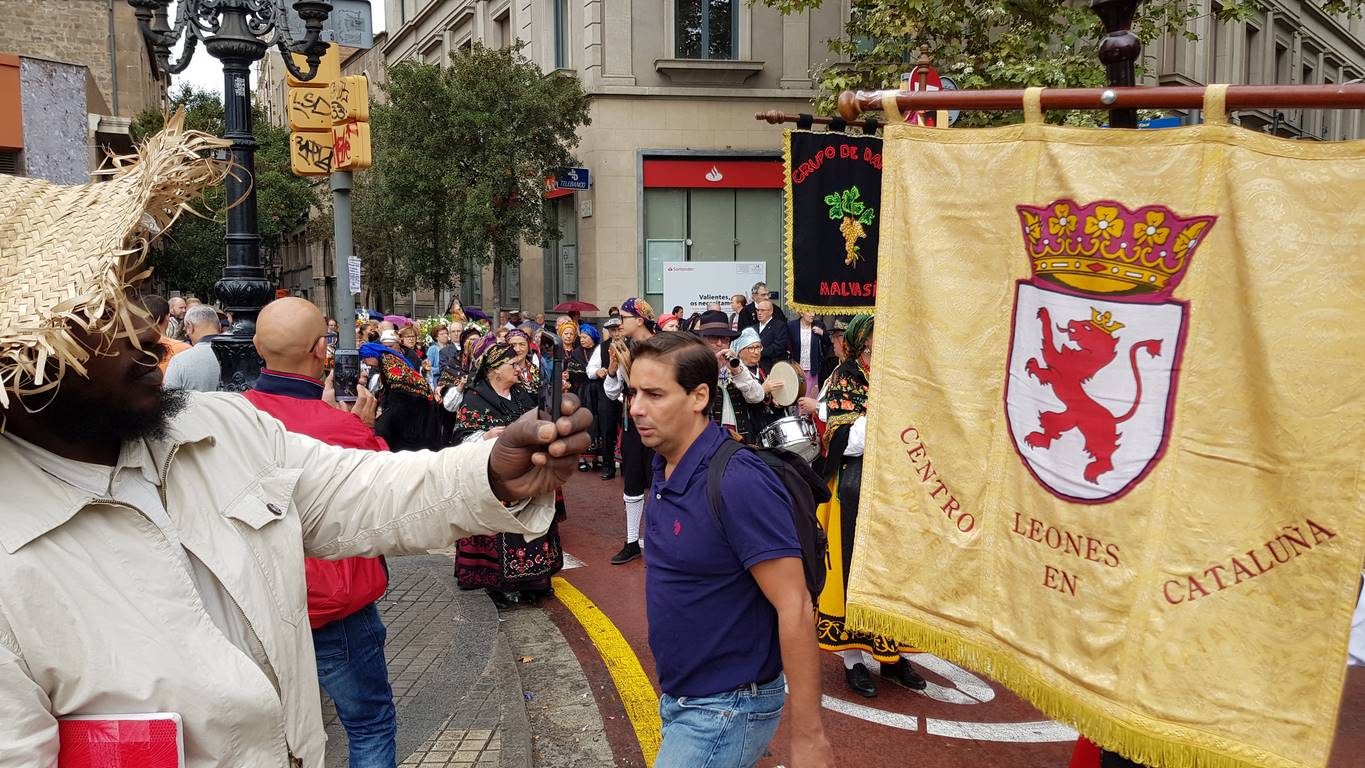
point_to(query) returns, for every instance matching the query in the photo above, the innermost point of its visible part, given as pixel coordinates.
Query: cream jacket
(98, 614)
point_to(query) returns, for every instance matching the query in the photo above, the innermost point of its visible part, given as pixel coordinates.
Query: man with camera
(737, 388)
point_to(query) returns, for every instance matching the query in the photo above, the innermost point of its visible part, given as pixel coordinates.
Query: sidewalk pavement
(456, 669)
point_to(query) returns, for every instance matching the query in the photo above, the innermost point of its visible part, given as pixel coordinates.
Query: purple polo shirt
(710, 627)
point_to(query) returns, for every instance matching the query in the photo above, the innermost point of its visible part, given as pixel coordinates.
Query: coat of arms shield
(1096, 344)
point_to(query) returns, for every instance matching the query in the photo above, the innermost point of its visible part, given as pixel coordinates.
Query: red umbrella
(575, 306)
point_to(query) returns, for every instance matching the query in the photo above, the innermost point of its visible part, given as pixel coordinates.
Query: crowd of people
(219, 556)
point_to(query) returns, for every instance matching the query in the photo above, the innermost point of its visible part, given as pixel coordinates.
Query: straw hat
(68, 253)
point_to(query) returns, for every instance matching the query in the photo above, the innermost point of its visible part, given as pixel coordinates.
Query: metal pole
(244, 288)
(346, 360)
(344, 309)
(1119, 50)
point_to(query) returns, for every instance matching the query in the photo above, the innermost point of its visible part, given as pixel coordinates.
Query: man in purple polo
(727, 602)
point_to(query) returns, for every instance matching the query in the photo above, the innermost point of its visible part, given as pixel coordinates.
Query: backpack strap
(715, 472)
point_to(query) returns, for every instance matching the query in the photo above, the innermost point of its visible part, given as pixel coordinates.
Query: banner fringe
(1110, 733)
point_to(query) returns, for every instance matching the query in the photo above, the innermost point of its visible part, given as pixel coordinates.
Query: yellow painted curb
(637, 693)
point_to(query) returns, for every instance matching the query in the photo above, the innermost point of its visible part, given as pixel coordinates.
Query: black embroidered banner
(834, 195)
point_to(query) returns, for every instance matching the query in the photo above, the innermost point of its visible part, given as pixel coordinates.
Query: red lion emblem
(1066, 372)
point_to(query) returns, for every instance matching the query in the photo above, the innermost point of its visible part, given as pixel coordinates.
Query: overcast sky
(206, 72)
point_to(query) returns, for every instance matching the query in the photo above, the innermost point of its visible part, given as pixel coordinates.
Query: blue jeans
(351, 668)
(726, 730)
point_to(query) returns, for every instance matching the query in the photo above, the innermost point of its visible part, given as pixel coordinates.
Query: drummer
(739, 390)
(749, 348)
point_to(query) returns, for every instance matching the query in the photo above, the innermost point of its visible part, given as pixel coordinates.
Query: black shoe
(537, 596)
(609, 473)
(500, 599)
(904, 673)
(597, 463)
(860, 680)
(584, 466)
(629, 552)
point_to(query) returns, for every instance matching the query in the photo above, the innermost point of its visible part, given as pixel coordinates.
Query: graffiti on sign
(351, 146)
(309, 109)
(310, 154)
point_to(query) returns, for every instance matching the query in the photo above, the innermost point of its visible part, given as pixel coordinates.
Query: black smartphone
(346, 371)
(552, 346)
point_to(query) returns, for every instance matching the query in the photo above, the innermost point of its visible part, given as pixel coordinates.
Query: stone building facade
(73, 74)
(1292, 42)
(100, 35)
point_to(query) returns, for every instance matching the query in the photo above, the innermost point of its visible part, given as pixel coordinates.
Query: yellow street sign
(310, 109)
(328, 70)
(351, 146)
(310, 153)
(350, 99)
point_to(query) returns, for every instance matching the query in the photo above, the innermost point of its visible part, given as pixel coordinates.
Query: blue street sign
(573, 178)
(1162, 122)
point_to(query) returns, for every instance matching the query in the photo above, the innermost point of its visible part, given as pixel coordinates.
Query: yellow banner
(1116, 420)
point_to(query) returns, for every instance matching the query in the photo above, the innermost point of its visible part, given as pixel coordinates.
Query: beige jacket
(98, 614)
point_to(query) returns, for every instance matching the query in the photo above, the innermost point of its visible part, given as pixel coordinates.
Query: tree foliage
(997, 43)
(190, 256)
(461, 154)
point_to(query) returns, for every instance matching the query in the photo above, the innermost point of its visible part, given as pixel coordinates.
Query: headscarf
(559, 327)
(636, 307)
(591, 332)
(855, 338)
(518, 332)
(377, 351)
(665, 317)
(747, 337)
(491, 356)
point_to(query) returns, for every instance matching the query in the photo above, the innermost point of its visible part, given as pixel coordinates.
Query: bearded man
(153, 545)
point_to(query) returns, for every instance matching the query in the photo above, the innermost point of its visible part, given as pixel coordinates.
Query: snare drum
(794, 434)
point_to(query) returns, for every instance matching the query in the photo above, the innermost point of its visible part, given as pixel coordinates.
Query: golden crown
(1103, 247)
(1104, 321)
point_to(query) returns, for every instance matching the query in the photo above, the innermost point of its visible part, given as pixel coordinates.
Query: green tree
(461, 155)
(996, 43)
(190, 256)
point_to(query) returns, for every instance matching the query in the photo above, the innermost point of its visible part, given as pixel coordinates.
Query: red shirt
(336, 588)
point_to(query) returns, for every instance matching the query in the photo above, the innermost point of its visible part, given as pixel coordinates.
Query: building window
(706, 29)
(502, 30)
(1253, 69)
(1282, 61)
(561, 20)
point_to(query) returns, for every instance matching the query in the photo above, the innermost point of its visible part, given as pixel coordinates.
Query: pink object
(398, 320)
(121, 741)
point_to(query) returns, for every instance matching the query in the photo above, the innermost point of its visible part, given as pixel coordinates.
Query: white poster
(353, 267)
(695, 284)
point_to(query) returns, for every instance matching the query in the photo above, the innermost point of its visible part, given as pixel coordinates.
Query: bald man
(348, 635)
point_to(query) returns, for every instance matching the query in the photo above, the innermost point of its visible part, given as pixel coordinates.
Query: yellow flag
(1117, 422)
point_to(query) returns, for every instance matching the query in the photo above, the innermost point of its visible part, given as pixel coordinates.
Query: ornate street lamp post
(237, 33)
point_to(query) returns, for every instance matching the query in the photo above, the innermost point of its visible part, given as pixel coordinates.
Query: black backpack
(807, 491)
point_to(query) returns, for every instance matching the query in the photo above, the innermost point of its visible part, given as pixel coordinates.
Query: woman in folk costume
(759, 415)
(845, 414)
(408, 420)
(508, 566)
(527, 362)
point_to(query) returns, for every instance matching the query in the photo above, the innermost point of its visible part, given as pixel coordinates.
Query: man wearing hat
(737, 387)
(637, 325)
(152, 554)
